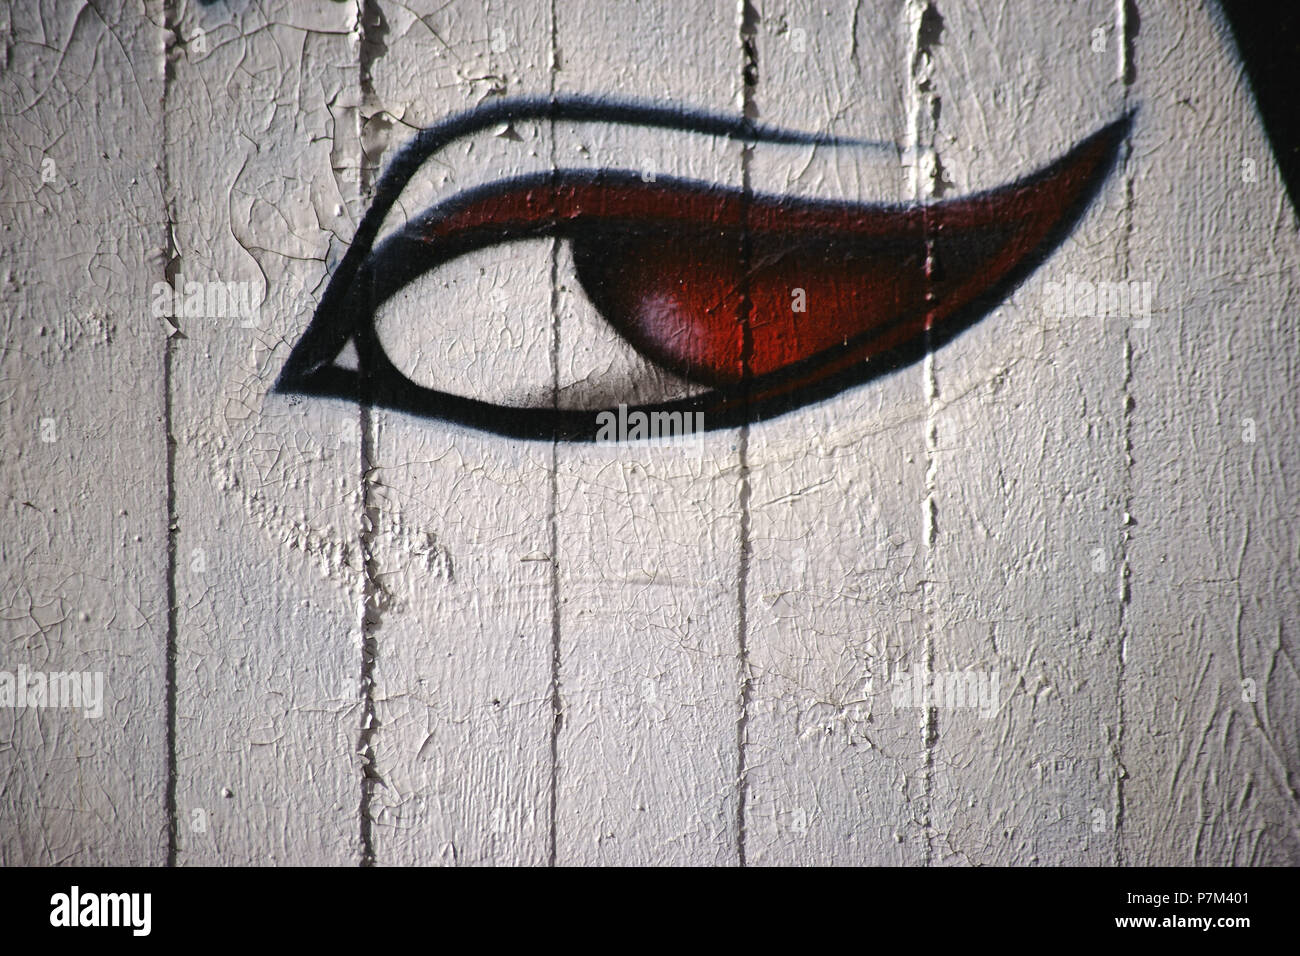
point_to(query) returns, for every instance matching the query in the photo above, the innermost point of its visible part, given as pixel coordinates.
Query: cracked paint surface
(359, 638)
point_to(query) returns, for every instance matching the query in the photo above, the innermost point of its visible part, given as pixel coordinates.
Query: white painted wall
(330, 635)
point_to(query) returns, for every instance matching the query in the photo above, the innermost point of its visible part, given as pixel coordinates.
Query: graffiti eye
(738, 306)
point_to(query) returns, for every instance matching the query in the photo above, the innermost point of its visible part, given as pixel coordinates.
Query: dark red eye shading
(670, 265)
(771, 301)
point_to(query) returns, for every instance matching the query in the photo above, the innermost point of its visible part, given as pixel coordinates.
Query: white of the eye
(481, 326)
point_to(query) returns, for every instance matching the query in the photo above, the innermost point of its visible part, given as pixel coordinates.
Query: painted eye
(745, 305)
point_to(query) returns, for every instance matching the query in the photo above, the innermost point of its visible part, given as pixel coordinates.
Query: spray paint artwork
(766, 302)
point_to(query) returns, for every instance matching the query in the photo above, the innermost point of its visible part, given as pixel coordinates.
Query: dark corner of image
(1268, 37)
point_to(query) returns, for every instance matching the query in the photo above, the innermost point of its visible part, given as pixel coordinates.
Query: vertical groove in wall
(749, 18)
(1126, 16)
(371, 591)
(171, 269)
(557, 713)
(742, 651)
(923, 25)
(369, 644)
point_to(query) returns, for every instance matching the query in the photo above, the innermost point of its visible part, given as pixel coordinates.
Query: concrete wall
(335, 634)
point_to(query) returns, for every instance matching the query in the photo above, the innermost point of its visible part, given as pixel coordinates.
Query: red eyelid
(703, 279)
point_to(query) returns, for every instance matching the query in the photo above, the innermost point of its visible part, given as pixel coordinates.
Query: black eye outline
(351, 300)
